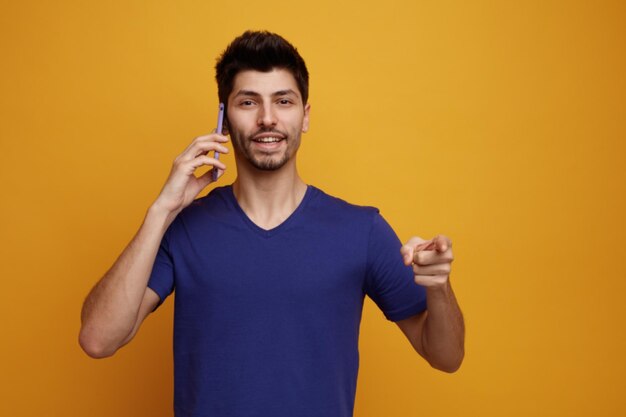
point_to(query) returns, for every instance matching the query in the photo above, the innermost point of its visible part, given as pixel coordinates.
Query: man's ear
(305, 119)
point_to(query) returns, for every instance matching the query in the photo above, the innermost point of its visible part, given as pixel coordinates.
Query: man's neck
(269, 197)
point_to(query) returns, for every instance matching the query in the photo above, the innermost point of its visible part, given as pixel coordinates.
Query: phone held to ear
(220, 124)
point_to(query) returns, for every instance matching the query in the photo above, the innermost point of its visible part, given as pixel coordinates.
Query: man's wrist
(440, 289)
(160, 214)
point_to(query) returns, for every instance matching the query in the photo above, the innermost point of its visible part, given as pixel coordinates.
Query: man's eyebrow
(252, 93)
(285, 92)
(248, 93)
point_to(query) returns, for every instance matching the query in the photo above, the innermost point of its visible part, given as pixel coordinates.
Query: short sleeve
(162, 275)
(389, 283)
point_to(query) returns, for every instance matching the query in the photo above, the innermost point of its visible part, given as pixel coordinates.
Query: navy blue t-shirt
(266, 322)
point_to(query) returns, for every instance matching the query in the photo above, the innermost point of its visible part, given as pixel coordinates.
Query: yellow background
(500, 124)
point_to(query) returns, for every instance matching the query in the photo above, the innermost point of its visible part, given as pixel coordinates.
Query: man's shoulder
(217, 204)
(217, 196)
(339, 206)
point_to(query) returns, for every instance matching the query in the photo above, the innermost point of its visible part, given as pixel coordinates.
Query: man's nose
(267, 116)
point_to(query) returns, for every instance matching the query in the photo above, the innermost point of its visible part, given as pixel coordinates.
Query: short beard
(265, 162)
(268, 164)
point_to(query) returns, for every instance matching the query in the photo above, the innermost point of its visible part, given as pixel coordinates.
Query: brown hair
(260, 51)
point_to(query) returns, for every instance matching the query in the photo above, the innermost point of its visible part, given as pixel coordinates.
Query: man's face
(266, 118)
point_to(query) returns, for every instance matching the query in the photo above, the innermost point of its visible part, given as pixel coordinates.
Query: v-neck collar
(267, 233)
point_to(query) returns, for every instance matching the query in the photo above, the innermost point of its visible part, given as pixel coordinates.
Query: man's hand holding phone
(182, 185)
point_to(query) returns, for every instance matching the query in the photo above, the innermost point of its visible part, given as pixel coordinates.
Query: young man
(270, 273)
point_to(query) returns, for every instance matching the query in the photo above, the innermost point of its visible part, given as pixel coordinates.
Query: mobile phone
(220, 125)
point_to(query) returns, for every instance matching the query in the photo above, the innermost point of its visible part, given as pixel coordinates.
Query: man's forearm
(443, 336)
(110, 310)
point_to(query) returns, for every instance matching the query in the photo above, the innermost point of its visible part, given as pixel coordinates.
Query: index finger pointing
(409, 248)
(442, 243)
(427, 245)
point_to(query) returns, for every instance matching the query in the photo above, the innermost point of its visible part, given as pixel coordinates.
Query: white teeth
(268, 140)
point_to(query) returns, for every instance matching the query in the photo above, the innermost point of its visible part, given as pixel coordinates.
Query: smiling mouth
(271, 139)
